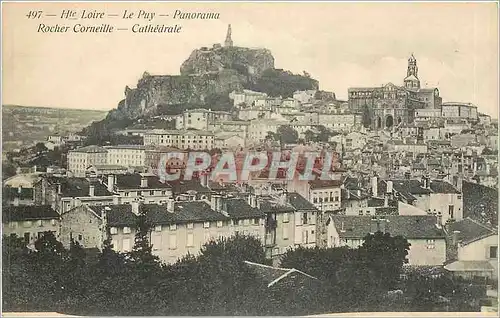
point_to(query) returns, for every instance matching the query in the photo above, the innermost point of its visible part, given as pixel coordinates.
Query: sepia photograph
(250, 158)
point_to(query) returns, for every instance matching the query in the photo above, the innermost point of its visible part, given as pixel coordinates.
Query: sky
(340, 44)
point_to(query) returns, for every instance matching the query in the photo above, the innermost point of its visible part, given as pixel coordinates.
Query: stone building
(391, 105)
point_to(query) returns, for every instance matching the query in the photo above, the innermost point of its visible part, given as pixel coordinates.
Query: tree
(287, 135)
(40, 147)
(227, 278)
(385, 255)
(142, 252)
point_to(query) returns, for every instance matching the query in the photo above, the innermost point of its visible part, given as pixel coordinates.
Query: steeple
(412, 66)
(229, 41)
(411, 81)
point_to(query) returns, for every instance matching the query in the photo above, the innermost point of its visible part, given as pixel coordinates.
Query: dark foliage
(277, 82)
(217, 281)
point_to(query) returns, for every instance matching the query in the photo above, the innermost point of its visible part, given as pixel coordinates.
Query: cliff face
(206, 76)
(153, 91)
(246, 61)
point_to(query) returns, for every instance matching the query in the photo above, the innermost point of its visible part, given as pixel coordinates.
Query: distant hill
(25, 125)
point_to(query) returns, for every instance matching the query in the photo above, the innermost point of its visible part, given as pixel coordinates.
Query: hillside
(206, 78)
(24, 125)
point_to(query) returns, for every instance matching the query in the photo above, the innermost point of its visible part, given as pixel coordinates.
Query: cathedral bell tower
(411, 81)
(229, 41)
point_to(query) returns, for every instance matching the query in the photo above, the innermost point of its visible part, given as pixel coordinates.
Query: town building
(82, 158)
(182, 139)
(426, 237)
(29, 222)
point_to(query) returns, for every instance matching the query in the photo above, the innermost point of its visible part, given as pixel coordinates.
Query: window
(12, 225)
(256, 221)
(39, 223)
(158, 228)
(152, 192)
(286, 217)
(246, 221)
(190, 225)
(360, 212)
(173, 241)
(431, 244)
(173, 227)
(190, 240)
(450, 211)
(304, 218)
(27, 224)
(126, 230)
(126, 245)
(240, 222)
(493, 252)
(206, 225)
(114, 245)
(285, 233)
(219, 223)
(113, 230)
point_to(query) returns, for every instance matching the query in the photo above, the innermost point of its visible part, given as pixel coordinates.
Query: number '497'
(34, 14)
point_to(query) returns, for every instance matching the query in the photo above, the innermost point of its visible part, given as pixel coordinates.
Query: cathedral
(390, 105)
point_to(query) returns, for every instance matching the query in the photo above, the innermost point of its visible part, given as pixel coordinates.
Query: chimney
(342, 227)
(375, 186)
(170, 205)
(59, 188)
(135, 207)
(111, 182)
(144, 182)
(91, 190)
(389, 187)
(374, 227)
(215, 202)
(204, 179)
(386, 200)
(439, 220)
(348, 193)
(19, 189)
(455, 237)
(359, 193)
(283, 197)
(116, 199)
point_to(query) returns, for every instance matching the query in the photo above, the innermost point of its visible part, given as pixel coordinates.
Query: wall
(479, 250)
(420, 254)
(81, 221)
(33, 227)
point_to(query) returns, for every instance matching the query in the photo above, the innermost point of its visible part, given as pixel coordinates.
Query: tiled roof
(90, 149)
(438, 186)
(11, 193)
(480, 202)
(320, 184)
(299, 202)
(133, 181)
(470, 230)
(29, 212)
(185, 212)
(79, 187)
(183, 186)
(240, 209)
(409, 226)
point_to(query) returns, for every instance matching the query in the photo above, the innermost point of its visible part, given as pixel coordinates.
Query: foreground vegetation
(217, 281)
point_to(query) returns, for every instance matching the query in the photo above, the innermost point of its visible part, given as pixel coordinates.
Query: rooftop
(28, 213)
(408, 226)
